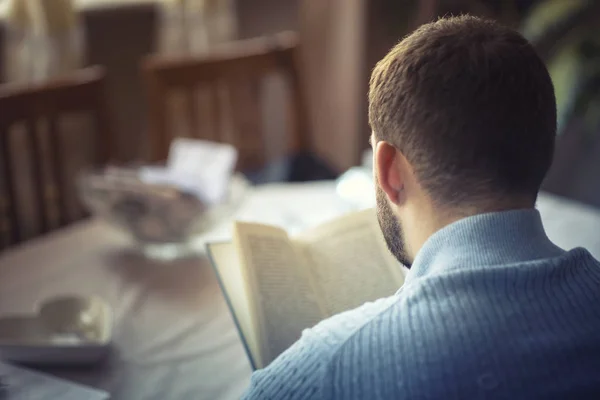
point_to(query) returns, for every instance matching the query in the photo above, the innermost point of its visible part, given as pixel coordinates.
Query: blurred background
(141, 48)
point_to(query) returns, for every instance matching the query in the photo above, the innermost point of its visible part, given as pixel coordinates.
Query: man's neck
(438, 217)
(496, 238)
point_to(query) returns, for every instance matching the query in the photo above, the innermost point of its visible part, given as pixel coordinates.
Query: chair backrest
(31, 108)
(227, 83)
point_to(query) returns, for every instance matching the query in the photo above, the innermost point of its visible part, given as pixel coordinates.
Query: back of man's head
(471, 106)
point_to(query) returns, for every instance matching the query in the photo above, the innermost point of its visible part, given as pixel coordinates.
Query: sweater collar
(497, 238)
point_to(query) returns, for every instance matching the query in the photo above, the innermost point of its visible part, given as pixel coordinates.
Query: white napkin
(197, 166)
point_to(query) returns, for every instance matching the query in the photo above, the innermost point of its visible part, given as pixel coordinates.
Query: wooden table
(174, 337)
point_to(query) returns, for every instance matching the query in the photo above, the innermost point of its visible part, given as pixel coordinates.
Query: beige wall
(333, 34)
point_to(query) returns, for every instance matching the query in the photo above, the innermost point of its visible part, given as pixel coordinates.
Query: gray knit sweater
(491, 309)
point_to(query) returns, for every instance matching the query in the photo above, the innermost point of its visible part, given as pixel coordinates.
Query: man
(463, 117)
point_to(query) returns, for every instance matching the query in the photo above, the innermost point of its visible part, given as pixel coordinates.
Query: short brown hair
(471, 106)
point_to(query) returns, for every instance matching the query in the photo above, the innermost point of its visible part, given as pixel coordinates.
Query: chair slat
(191, 101)
(9, 181)
(215, 128)
(39, 185)
(58, 170)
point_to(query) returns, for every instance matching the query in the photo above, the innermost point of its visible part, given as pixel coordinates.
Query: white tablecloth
(174, 337)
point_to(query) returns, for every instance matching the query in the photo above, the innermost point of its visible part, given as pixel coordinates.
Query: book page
(349, 262)
(283, 296)
(229, 269)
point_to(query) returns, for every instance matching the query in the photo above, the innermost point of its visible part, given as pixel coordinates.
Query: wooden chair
(24, 111)
(223, 89)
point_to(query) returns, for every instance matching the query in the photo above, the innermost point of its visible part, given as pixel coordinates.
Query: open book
(276, 286)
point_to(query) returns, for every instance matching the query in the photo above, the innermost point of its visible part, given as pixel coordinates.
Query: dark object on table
(308, 167)
(302, 167)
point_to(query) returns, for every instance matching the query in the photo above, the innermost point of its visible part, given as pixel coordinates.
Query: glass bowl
(160, 218)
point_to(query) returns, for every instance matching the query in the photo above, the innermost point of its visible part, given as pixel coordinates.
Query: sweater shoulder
(299, 371)
(461, 331)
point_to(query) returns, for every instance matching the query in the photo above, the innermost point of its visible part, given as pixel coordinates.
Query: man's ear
(388, 170)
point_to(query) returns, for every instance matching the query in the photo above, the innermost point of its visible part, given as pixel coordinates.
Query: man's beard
(391, 228)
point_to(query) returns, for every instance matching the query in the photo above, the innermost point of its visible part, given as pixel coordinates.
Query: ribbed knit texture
(491, 309)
